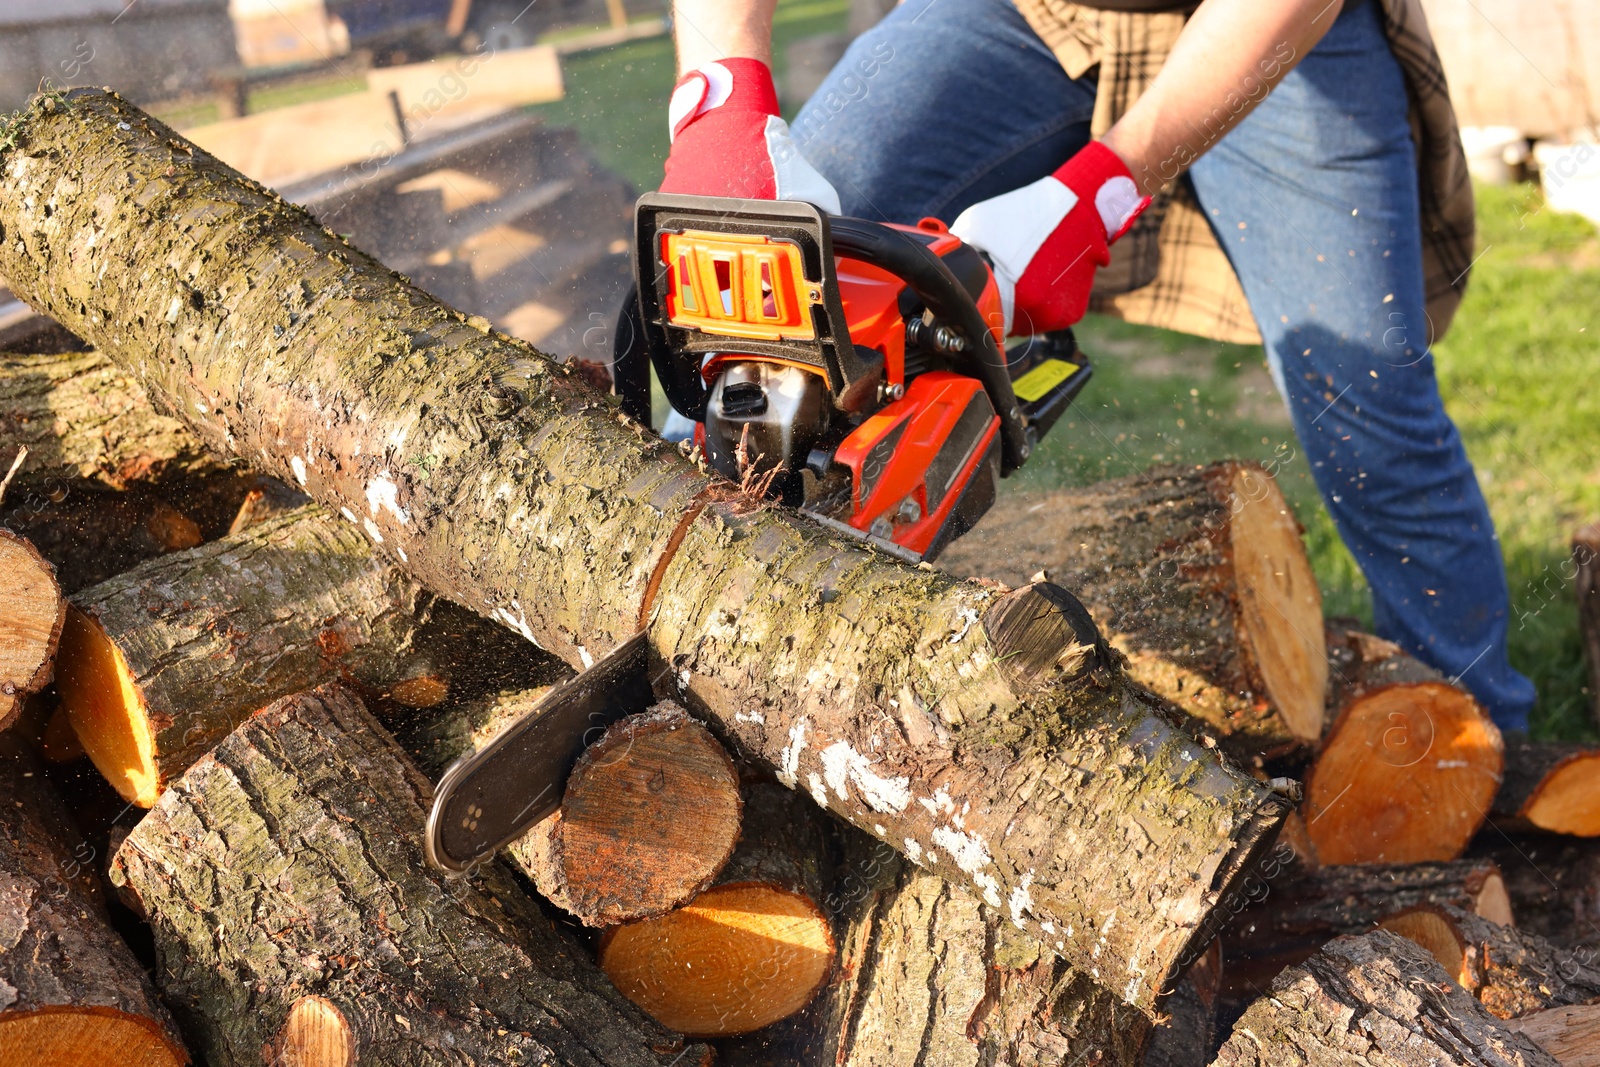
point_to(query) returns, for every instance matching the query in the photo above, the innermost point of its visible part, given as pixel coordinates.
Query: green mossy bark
(214, 633)
(502, 482)
(289, 862)
(82, 417)
(1376, 1000)
(57, 947)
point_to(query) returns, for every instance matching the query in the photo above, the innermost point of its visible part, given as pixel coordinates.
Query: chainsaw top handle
(677, 352)
(942, 294)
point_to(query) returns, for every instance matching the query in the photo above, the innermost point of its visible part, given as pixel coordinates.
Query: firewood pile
(1105, 788)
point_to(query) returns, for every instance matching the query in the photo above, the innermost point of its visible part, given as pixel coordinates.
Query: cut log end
(740, 957)
(650, 815)
(1405, 776)
(59, 1035)
(30, 627)
(1280, 603)
(1565, 801)
(103, 703)
(1429, 928)
(315, 1034)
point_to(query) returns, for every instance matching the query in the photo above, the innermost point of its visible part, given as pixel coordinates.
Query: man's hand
(1047, 239)
(727, 139)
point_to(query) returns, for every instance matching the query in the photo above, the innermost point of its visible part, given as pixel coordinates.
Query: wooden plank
(509, 78)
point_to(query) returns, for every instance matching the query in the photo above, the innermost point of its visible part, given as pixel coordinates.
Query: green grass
(1517, 371)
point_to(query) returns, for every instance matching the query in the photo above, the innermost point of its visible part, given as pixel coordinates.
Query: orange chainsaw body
(875, 402)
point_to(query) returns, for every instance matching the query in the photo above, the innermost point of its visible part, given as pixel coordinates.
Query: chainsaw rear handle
(943, 294)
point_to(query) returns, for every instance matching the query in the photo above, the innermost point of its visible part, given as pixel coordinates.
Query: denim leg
(1314, 198)
(940, 105)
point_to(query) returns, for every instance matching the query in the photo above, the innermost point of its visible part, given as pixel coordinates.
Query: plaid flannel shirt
(1169, 270)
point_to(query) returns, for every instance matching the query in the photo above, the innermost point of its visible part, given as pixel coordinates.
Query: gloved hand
(1047, 239)
(727, 139)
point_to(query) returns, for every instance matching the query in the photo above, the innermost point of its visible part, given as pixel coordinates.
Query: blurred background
(491, 150)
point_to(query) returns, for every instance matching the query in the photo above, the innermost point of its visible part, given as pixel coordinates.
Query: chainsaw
(851, 369)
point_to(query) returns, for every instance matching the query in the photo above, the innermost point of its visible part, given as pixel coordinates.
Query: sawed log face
(505, 484)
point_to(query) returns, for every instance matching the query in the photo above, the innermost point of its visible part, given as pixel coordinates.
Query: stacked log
(874, 686)
(283, 878)
(1303, 910)
(1511, 972)
(749, 950)
(1377, 998)
(1410, 765)
(161, 662)
(70, 990)
(31, 626)
(1551, 787)
(1198, 576)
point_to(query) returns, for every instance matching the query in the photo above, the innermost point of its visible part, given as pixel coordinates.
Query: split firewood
(927, 974)
(70, 991)
(751, 949)
(504, 483)
(1571, 1035)
(1512, 972)
(283, 878)
(1555, 882)
(1410, 764)
(30, 625)
(83, 418)
(1305, 909)
(161, 662)
(1586, 583)
(1552, 787)
(267, 499)
(1197, 575)
(1373, 999)
(648, 817)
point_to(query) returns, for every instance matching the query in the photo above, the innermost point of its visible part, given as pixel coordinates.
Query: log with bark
(1375, 999)
(1410, 764)
(83, 418)
(1552, 787)
(1555, 882)
(1188, 1036)
(30, 627)
(284, 880)
(70, 990)
(503, 483)
(1586, 583)
(1570, 1035)
(1512, 972)
(162, 661)
(927, 974)
(1198, 575)
(1299, 913)
(754, 947)
(648, 818)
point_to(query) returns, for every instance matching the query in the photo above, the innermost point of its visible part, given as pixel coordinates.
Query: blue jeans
(1314, 199)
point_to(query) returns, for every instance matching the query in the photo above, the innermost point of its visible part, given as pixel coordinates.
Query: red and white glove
(727, 139)
(1047, 239)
